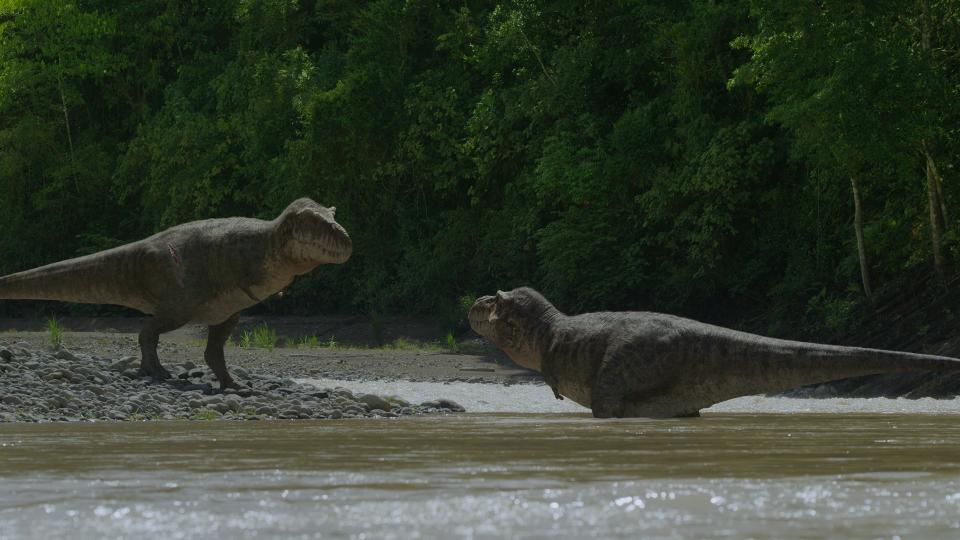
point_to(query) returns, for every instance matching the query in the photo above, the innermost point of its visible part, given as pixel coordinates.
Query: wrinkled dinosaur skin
(202, 272)
(640, 364)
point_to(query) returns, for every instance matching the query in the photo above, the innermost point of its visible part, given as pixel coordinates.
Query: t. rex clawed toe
(640, 364)
(201, 272)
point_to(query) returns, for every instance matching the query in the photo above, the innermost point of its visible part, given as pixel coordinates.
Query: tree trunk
(66, 115)
(936, 219)
(936, 227)
(66, 122)
(937, 208)
(858, 228)
(938, 180)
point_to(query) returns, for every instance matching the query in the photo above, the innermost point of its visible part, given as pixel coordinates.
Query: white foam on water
(784, 405)
(538, 398)
(474, 397)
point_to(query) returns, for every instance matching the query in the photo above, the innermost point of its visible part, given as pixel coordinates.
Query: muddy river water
(758, 469)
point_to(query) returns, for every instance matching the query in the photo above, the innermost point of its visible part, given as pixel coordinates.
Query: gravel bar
(43, 385)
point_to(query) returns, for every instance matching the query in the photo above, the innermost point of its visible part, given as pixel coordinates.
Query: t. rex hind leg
(608, 392)
(626, 388)
(149, 337)
(216, 337)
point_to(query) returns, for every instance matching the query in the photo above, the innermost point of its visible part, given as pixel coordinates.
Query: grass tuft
(54, 332)
(261, 337)
(205, 414)
(308, 342)
(403, 344)
(452, 344)
(264, 337)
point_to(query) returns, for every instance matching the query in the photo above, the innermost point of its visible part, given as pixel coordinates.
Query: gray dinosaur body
(202, 272)
(639, 364)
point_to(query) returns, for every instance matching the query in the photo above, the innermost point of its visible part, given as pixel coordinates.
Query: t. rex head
(308, 235)
(514, 321)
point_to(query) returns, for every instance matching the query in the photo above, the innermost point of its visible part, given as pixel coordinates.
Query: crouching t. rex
(627, 364)
(201, 272)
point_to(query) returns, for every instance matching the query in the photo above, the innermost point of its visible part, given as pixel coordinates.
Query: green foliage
(261, 337)
(205, 414)
(451, 342)
(680, 156)
(453, 314)
(402, 344)
(308, 342)
(313, 342)
(54, 333)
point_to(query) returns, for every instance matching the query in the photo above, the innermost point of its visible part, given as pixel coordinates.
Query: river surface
(759, 469)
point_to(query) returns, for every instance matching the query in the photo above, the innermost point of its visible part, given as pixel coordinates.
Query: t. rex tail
(91, 279)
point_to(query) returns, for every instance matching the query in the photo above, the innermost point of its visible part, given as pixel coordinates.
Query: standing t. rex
(201, 272)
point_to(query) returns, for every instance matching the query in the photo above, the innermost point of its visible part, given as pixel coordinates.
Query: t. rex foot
(157, 372)
(229, 383)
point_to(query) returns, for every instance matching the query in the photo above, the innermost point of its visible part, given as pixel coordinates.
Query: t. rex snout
(479, 315)
(342, 245)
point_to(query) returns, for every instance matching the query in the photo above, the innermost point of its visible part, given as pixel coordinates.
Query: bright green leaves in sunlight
(54, 173)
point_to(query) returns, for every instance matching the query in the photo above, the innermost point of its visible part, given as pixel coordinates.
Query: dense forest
(730, 160)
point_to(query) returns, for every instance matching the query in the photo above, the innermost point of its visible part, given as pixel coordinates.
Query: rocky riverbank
(40, 385)
(328, 356)
(94, 377)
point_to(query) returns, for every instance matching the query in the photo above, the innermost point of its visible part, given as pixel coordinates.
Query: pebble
(445, 404)
(374, 402)
(38, 385)
(123, 363)
(64, 354)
